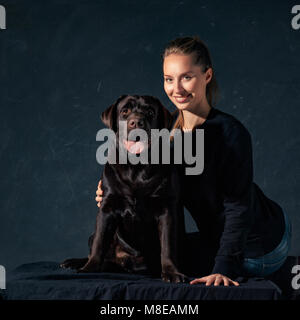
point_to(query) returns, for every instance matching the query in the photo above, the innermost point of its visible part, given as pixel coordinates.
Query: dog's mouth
(135, 146)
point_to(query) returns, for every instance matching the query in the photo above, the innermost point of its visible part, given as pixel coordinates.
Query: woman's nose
(178, 89)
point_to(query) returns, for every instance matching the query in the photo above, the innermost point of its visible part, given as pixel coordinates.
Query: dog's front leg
(167, 233)
(106, 224)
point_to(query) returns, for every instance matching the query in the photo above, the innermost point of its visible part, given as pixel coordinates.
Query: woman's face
(185, 82)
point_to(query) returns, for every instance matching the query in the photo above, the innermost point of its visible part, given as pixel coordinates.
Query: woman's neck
(195, 117)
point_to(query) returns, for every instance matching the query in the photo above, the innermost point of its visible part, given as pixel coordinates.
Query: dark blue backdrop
(63, 62)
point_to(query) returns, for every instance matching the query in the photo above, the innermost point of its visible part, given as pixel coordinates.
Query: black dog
(139, 224)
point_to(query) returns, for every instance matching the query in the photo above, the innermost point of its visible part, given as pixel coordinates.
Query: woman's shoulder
(232, 129)
(229, 123)
(226, 124)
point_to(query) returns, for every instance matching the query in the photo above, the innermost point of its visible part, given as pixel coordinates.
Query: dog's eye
(125, 111)
(150, 113)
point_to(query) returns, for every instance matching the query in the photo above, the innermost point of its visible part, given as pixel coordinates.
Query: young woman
(241, 231)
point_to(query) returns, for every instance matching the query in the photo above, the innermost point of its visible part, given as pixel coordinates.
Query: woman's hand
(215, 279)
(99, 193)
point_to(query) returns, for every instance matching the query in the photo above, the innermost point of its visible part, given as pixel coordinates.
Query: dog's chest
(136, 194)
(138, 181)
(140, 209)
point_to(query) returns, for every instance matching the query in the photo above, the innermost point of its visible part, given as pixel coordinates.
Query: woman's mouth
(182, 99)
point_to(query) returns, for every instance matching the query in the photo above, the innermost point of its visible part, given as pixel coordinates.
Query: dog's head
(139, 112)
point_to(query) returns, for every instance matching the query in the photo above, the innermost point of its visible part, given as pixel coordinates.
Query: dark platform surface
(47, 281)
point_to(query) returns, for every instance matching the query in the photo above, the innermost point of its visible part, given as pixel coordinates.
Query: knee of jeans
(290, 230)
(288, 224)
(268, 269)
(252, 268)
(289, 237)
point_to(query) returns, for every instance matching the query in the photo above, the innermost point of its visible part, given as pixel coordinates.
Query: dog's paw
(174, 277)
(90, 266)
(74, 263)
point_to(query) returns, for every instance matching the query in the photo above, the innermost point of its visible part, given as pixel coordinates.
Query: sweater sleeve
(236, 171)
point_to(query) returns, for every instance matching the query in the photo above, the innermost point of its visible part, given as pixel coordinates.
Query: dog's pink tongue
(134, 147)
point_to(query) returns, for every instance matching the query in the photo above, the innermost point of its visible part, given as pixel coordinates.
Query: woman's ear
(109, 116)
(208, 75)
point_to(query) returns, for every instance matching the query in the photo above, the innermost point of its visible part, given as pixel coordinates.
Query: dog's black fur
(140, 218)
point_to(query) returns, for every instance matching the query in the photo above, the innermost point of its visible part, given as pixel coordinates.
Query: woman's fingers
(98, 199)
(219, 280)
(226, 282)
(235, 283)
(199, 280)
(210, 281)
(99, 193)
(215, 279)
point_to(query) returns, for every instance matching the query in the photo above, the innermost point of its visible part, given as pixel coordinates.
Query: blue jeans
(272, 261)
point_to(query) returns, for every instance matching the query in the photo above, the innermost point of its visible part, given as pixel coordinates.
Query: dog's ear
(165, 116)
(109, 116)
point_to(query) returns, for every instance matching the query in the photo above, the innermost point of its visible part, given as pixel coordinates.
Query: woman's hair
(193, 45)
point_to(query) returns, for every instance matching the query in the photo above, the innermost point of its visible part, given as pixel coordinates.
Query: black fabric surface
(47, 281)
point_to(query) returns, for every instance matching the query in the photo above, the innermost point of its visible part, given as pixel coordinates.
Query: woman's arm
(235, 179)
(236, 170)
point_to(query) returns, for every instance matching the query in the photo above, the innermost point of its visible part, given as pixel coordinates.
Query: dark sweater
(230, 210)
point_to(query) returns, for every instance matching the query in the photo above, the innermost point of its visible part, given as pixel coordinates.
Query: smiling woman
(189, 81)
(230, 210)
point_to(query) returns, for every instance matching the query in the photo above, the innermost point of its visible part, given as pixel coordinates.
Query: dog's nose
(136, 123)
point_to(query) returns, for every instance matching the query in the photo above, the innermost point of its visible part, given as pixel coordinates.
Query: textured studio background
(63, 62)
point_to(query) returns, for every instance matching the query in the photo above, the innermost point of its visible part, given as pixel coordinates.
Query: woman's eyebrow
(182, 74)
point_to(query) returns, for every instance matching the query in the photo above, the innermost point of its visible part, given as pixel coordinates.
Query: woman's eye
(168, 80)
(187, 77)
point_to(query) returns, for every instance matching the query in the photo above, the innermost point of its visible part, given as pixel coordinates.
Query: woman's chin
(182, 106)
